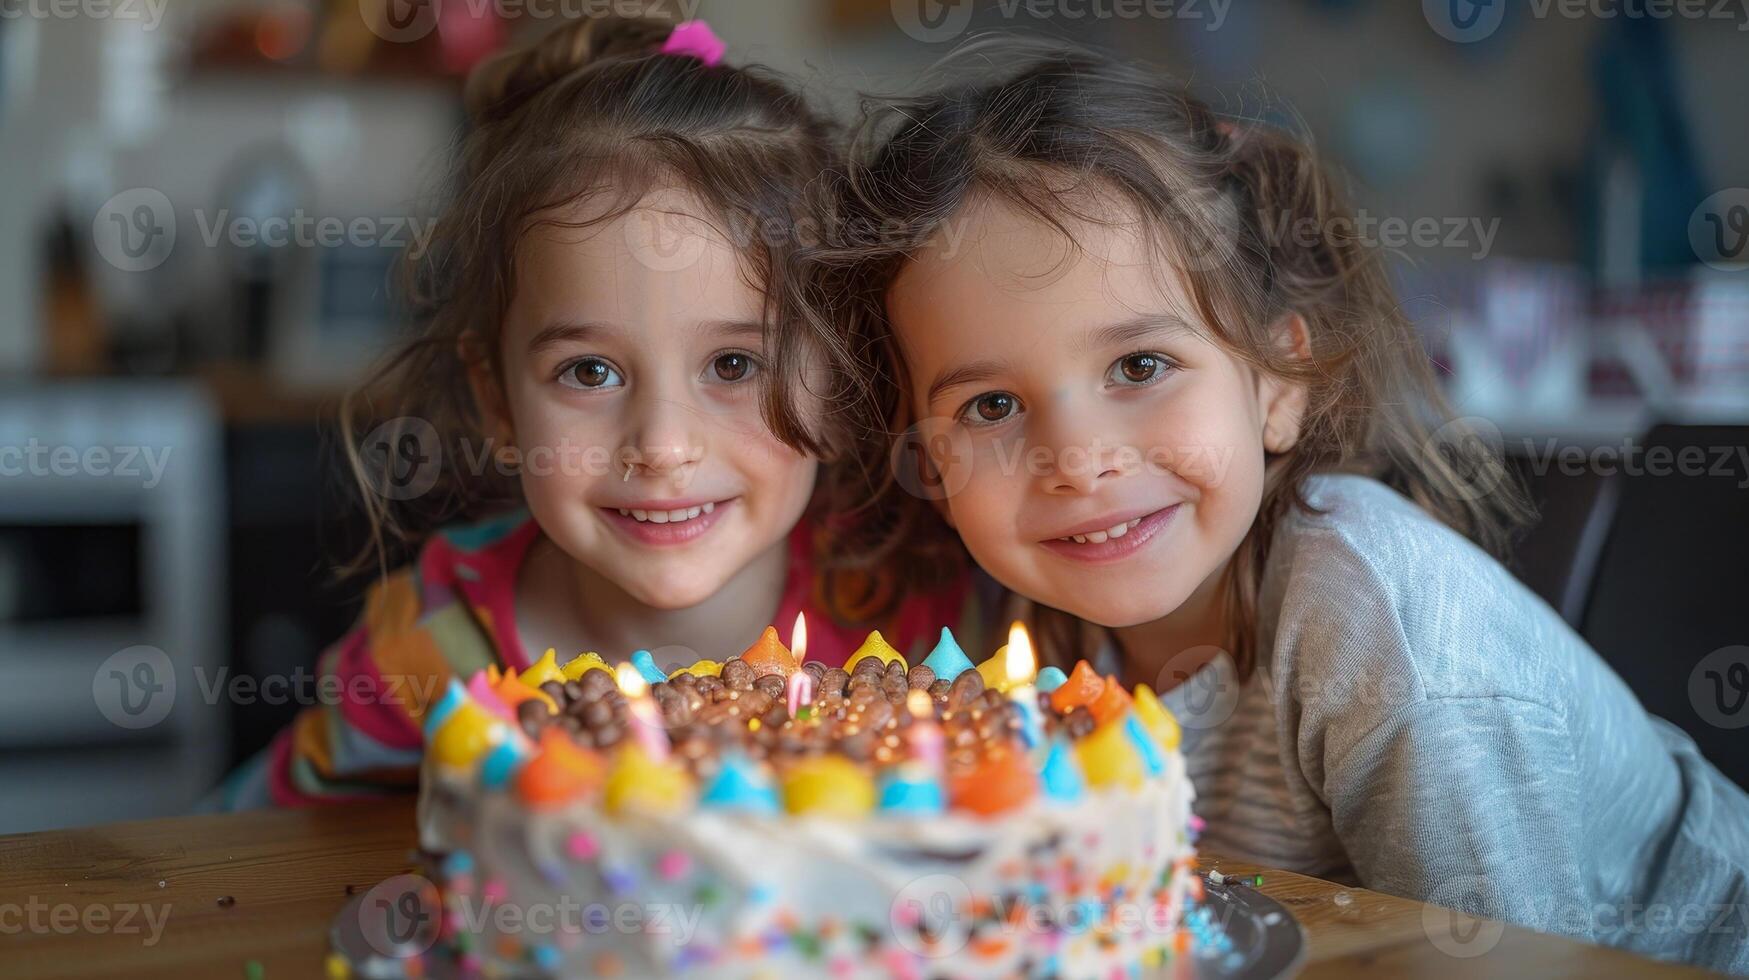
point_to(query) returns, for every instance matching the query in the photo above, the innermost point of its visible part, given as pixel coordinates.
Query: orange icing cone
(770, 655)
(1111, 703)
(1001, 781)
(561, 772)
(1083, 687)
(512, 691)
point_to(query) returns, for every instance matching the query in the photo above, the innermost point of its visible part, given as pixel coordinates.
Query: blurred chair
(1671, 587)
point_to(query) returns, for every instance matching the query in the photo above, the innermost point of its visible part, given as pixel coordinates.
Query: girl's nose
(665, 440)
(1080, 462)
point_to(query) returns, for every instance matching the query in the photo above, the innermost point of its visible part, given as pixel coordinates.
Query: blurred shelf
(247, 394)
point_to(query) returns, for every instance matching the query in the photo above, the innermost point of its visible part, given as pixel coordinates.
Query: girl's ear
(1283, 402)
(488, 392)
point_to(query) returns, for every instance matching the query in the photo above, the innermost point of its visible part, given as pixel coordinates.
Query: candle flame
(798, 639)
(630, 681)
(1021, 665)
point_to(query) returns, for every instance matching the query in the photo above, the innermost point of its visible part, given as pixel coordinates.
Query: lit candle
(1021, 667)
(646, 721)
(800, 686)
(927, 743)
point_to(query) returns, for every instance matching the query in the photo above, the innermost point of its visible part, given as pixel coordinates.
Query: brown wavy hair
(1214, 195)
(591, 110)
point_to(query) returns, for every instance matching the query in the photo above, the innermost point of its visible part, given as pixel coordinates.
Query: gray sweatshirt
(1422, 724)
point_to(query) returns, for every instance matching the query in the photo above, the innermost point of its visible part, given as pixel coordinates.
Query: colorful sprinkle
(674, 864)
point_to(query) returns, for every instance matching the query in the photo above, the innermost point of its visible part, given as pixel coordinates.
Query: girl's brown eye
(1140, 368)
(732, 367)
(591, 373)
(995, 407)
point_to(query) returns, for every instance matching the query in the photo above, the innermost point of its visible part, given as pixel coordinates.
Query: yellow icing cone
(582, 663)
(640, 783)
(1108, 757)
(876, 646)
(543, 670)
(1156, 718)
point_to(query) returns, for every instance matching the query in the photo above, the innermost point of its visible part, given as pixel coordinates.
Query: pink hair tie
(695, 38)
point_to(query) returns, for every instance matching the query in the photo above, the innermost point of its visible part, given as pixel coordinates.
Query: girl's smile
(661, 523)
(1100, 542)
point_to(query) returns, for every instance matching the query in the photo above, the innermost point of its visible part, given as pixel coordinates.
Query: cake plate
(1264, 940)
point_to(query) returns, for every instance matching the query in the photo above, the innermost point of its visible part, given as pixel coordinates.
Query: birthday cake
(767, 817)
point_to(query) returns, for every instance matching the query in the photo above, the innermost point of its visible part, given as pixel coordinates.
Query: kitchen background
(1564, 188)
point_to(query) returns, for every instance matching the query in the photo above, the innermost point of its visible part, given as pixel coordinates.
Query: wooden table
(263, 887)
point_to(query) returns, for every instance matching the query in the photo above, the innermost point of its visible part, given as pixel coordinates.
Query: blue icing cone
(454, 696)
(740, 786)
(502, 763)
(947, 660)
(1061, 774)
(910, 790)
(1049, 679)
(1145, 744)
(647, 668)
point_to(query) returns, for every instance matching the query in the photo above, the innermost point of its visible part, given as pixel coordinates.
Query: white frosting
(782, 873)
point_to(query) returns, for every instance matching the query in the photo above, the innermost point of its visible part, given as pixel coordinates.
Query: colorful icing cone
(647, 668)
(559, 772)
(1001, 781)
(543, 670)
(503, 762)
(1050, 678)
(468, 733)
(947, 660)
(638, 782)
(454, 696)
(514, 690)
(1156, 718)
(583, 662)
(910, 789)
(740, 784)
(1112, 703)
(1149, 749)
(830, 785)
(876, 646)
(1108, 757)
(482, 692)
(769, 656)
(1082, 688)
(1061, 774)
